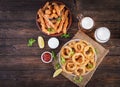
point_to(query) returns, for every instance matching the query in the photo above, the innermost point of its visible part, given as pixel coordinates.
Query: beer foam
(87, 23)
(102, 34)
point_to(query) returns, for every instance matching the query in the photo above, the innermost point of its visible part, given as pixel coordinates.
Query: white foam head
(87, 23)
(102, 34)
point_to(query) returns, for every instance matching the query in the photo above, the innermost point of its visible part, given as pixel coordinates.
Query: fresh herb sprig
(31, 41)
(89, 65)
(96, 50)
(62, 60)
(50, 30)
(72, 53)
(57, 66)
(59, 19)
(54, 55)
(65, 35)
(78, 79)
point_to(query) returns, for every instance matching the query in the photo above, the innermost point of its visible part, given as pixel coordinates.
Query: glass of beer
(102, 34)
(85, 23)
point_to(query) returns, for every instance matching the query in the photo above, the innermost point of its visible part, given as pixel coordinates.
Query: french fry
(41, 19)
(56, 8)
(61, 7)
(61, 22)
(48, 12)
(53, 21)
(65, 26)
(45, 6)
(57, 24)
(66, 22)
(54, 11)
(43, 27)
(49, 22)
(52, 16)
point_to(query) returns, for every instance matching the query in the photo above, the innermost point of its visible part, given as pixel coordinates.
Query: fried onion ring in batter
(78, 47)
(79, 71)
(69, 67)
(84, 43)
(90, 66)
(65, 52)
(78, 58)
(89, 52)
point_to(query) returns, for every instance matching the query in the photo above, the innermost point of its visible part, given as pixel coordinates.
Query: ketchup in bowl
(46, 57)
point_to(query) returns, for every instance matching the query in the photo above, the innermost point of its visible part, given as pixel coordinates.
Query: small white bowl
(53, 42)
(44, 60)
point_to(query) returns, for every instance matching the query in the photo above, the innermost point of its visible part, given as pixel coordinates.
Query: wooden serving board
(101, 53)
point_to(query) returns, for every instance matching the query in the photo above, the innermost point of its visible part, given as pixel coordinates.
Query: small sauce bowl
(46, 57)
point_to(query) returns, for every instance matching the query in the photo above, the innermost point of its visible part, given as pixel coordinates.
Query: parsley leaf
(31, 41)
(59, 19)
(50, 29)
(65, 35)
(57, 66)
(96, 50)
(89, 65)
(72, 52)
(62, 60)
(54, 55)
(78, 79)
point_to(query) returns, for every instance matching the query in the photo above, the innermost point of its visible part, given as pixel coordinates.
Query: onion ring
(78, 58)
(89, 52)
(78, 47)
(79, 71)
(69, 67)
(90, 66)
(84, 43)
(65, 52)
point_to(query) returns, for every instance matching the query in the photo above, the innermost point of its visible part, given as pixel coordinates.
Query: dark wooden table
(20, 65)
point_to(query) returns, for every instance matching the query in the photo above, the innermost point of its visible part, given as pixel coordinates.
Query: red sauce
(46, 57)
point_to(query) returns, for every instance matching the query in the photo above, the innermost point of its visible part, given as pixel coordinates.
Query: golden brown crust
(78, 58)
(54, 15)
(65, 52)
(79, 71)
(69, 67)
(77, 62)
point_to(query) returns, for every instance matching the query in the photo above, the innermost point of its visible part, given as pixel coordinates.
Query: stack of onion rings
(79, 56)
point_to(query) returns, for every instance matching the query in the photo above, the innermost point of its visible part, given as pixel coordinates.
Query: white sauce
(53, 43)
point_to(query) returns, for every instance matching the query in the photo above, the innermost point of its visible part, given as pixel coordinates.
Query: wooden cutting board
(101, 53)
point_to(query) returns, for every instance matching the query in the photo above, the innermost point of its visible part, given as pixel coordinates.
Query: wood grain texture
(20, 66)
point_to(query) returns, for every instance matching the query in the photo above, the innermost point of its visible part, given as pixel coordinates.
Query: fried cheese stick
(64, 16)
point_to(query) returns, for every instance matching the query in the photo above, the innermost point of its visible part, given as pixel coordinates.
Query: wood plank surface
(20, 65)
